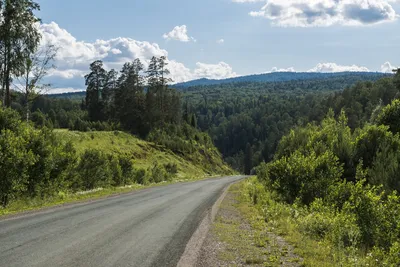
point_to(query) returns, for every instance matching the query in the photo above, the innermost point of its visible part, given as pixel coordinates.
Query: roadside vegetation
(241, 237)
(43, 166)
(338, 187)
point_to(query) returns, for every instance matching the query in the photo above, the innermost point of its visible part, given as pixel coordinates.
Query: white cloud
(213, 71)
(179, 33)
(74, 57)
(275, 69)
(220, 41)
(310, 13)
(387, 67)
(333, 67)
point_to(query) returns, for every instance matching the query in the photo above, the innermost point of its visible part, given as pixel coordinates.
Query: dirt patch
(239, 237)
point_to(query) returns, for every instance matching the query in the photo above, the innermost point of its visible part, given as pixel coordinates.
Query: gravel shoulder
(238, 237)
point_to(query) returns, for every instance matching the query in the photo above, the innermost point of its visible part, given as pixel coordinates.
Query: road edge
(91, 200)
(193, 247)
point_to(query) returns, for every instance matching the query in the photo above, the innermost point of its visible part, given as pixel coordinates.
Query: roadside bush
(171, 168)
(126, 165)
(140, 177)
(158, 174)
(116, 171)
(304, 177)
(93, 170)
(14, 163)
(322, 222)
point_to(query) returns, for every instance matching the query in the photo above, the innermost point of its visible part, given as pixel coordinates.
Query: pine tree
(95, 82)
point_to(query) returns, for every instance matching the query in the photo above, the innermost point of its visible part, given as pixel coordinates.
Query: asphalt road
(145, 228)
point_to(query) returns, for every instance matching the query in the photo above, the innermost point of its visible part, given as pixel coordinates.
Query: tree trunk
(8, 95)
(4, 201)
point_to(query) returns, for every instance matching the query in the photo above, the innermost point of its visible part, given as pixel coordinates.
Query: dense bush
(345, 185)
(304, 176)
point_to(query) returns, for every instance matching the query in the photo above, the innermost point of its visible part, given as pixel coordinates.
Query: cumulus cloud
(179, 33)
(333, 67)
(323, 13)
(74, 57)
(387, 67)
(220, 41)
(214, 71)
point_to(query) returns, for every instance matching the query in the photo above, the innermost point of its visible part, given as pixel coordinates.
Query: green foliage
(14, 162)
(140, 177)
(346, 182)
(127, 171)
(304, 176)
(94, 170)
(390, 116)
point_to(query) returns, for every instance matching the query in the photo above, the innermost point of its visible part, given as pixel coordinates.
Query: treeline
(139, 100)
(344, 183)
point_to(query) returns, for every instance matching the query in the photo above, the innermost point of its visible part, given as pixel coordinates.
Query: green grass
(145, 154)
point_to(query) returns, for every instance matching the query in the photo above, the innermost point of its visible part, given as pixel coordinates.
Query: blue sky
(258, 35)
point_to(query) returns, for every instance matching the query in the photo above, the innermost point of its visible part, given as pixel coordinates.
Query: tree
(95, 82)
(397, 78)
(390, 116)
(35, 67)
(158, 95)
(19, 38)
(194, 121)
(130, 99)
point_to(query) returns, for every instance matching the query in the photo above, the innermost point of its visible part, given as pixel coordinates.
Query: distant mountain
(72, 95)
(284, 77)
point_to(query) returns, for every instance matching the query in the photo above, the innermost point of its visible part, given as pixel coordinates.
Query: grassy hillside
(201, 163)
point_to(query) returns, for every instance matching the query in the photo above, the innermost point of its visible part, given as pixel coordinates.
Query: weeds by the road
(241, 236)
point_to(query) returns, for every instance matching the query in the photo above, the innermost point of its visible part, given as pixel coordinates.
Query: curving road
(145, 228)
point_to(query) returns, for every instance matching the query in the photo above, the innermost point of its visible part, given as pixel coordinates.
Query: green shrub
(93, 170)
(140, 177)
(158, 174)
(390, 116)
(304, 177)
(171, 168)
(116, 171)
(127, 169)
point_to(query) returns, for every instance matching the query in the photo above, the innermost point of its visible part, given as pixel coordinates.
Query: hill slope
(286, 76)
(145, 154)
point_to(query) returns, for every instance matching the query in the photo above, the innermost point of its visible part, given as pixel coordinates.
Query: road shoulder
(239, 237)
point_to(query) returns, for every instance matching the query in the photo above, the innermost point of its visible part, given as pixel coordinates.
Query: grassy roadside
(240, 236)
(253, 228)
(280, 220)
(60, 199)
